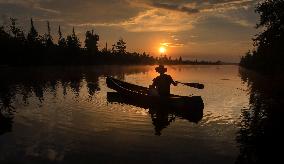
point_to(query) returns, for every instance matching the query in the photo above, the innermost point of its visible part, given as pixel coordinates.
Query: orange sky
(194, 29)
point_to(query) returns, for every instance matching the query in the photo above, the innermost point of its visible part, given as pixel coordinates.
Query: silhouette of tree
(33, 34)
(18, 34)
(105, 50)
(15, 31)
(73, 41)
(61, 39)
(91, 42)
(113, 49)
(121, 46)
(4, 36)
(268, 53)
(5, 43)
(36, 49)
(47, 37)
(180, 59)
(3, 33)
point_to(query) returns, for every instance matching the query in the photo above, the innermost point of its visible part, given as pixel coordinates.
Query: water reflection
(6, 109)
(34, 82)
(6, 122)
(162, 116)
(61, 115)
(260, 135)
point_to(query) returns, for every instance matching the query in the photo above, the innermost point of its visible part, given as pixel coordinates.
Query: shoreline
(92, 65)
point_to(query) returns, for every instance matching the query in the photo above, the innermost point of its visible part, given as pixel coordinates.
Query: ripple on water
(67, 117)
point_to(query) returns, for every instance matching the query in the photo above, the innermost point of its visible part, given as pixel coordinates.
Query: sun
(162, 50)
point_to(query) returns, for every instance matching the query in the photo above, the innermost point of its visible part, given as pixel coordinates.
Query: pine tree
(61, 39)
(48, 37)
(121, 46)
(18, 34)
(33, 34)
(91, 42)
(180, 59)
(73, 41)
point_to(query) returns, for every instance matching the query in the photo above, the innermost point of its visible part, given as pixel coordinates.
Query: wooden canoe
(139, 94)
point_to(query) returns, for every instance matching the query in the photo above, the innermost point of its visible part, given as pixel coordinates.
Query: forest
(267, 55)
(33, 49)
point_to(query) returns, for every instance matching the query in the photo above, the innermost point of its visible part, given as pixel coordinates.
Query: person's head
(161, 69)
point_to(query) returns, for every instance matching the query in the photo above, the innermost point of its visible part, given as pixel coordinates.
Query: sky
(194, 29)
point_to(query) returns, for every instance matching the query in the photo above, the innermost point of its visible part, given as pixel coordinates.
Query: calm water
(62, 115)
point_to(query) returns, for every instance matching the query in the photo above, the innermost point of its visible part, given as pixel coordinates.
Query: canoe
(139, 94)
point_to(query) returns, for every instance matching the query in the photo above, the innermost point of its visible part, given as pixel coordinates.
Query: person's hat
(161, 69)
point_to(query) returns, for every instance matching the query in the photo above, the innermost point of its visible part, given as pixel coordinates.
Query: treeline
(268, 54)
(19, 48)
(32, 48)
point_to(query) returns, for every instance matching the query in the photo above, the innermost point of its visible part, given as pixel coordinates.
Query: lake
(63, 115)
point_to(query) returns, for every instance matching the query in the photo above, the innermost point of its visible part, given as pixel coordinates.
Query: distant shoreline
(81, 65)
(34, 49)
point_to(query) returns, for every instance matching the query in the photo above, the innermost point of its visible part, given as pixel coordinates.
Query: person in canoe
(161, 84)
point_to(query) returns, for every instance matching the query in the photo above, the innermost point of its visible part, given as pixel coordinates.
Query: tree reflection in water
(260, 135)
(28, 82)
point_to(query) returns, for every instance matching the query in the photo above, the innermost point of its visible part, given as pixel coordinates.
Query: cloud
(222, 6)
(153, 20)
(95, 11)
(132, 15)
(240, 12)
(175, 7)
(178, 15)
(172, 44)
(33, 4)
(158, 20)
(148, 21)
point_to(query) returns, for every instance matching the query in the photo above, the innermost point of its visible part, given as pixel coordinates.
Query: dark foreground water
(62, 115)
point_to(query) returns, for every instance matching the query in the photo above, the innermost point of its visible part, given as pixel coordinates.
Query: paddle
(194, 85)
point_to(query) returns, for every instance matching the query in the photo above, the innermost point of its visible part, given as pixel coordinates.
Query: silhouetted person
(163, 82)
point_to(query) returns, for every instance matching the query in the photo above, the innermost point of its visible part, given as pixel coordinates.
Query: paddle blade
(195, 85)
